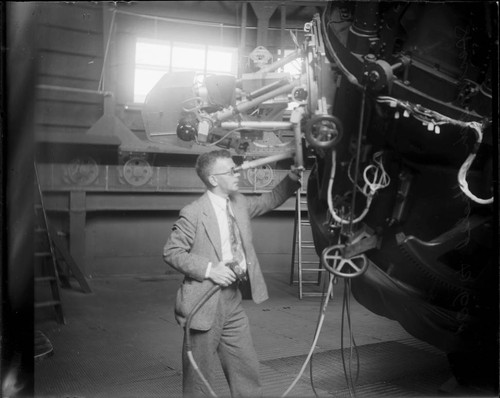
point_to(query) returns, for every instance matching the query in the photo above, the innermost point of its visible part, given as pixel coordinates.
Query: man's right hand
(222, 275)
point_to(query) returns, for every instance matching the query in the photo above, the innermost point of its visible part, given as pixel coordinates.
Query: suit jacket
(195, 241)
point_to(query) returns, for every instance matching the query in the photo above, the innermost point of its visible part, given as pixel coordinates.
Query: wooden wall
(70, 55)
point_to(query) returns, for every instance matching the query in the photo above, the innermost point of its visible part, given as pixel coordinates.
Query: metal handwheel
(323, 131)
(335, 263)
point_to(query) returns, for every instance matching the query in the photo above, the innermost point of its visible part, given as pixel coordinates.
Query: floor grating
(384, 370)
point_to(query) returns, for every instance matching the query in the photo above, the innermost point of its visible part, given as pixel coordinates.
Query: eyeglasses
(231, 172)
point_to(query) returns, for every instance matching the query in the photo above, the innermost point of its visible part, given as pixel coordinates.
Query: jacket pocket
(188, 295)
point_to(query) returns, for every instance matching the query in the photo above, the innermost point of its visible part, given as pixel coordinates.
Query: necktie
(235, 238)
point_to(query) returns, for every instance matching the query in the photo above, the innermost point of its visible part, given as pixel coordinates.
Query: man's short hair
(206, 161)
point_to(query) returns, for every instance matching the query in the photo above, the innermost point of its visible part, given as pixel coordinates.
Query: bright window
(221, 60)
(155, 58)
(294, 67)
(188, 58)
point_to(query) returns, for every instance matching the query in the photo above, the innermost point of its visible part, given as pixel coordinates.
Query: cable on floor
(316, 336)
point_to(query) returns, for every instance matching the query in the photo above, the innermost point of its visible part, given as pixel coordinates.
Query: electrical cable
(331, 280)
(433, 120)
(333, 212)
(358, 156)
(315, 340)
(189, 352)
(209, 294)
(352, 342)
(379, 179)
(346, 310)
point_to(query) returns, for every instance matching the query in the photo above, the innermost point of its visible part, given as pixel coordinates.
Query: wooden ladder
(45, 272)
(304, 256)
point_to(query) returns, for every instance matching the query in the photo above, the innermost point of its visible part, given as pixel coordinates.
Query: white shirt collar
(217, 200)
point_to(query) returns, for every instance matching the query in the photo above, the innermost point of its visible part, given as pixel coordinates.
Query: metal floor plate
(385, 369)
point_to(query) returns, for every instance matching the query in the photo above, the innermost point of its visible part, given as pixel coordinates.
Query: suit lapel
(211, 224)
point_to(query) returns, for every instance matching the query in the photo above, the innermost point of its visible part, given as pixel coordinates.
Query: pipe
(263, 90)
(278, 64)
(358, 158)
(254, 125)
(244, 106)
(251, 164)
(299, 160)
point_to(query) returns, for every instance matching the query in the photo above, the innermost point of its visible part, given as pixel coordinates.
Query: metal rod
(257, 125)
(358, 157)
(160, 134)
(299, 159)
(278, 64)
(244, 106)
(192, 22)
(243, 38)
(251, 164)
(267, 88)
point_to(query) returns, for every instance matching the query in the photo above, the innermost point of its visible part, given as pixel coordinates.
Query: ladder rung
(304, 294)
(49, 303)
(45, 278)
(307, 246)
(307, 263)
(307, 282)
(313, 270)
(43, 254)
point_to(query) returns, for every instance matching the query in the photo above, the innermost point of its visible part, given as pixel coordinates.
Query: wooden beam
(63, 252)
(77, 216)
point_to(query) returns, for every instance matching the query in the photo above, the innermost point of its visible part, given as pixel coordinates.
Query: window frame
(173, 44)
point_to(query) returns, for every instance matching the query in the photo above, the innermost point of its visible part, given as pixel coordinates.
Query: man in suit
(202, 243)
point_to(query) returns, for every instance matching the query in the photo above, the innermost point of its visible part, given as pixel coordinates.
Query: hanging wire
(346, 313)
(332, 210)
(319, 325)
(375, 178)
(331, 281)
(358, 155)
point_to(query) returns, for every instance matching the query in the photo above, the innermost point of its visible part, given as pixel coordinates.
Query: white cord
(378, 182)
(380, 178)
(462, 173)
(313, 346)
(431, 117)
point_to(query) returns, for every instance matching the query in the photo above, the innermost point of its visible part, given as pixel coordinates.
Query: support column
(263, 11)
(77, 216)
